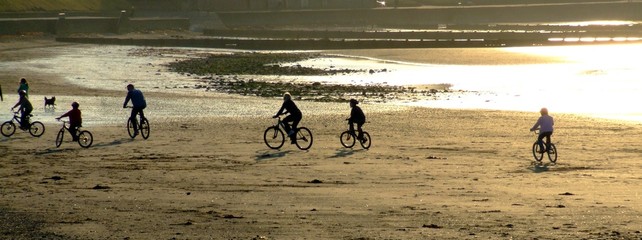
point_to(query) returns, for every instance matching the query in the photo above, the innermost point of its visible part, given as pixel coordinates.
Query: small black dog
(51, 102)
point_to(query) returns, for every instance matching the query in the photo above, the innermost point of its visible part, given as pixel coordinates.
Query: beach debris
(315, 181)
(432, 225)
(556, 206)
(567, 194)
(100, 187)
(55, 178)
(435, 157)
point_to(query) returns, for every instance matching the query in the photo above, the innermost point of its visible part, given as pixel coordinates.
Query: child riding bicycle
(75, 119)
(545, 125)
(295, 116)
(25, 109)
(356, 116)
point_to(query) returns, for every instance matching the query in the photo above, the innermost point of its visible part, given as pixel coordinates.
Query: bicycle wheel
(537, 153)
(37, 129)
(347, 140)
(130, 128)
(85, 139)
(303, 138)
(552, 153)
(274, 137)
(60, 136)
(144, 128)
(366, 141)
(8, 128)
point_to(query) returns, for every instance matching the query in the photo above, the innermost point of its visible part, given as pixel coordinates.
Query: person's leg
(540, 142)
(24, 119)
(73, 130)
(360, 130)
(132, 117)
(287, 121)
(351, 126)
(295, 126)
(548, 140)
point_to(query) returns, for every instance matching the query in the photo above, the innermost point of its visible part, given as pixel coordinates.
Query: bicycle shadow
(271, 154)
(53, 150)
(15, 136)
(539, 167)
(345, 152)
(114, 143)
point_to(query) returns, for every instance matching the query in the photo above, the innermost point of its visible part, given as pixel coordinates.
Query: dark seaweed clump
(229, 73)
(252, 64)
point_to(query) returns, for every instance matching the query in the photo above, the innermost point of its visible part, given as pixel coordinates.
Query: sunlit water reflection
(600, 81)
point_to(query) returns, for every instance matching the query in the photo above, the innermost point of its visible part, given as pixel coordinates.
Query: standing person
(138, 102)
(25, 109)
(75, 119)
(295, 116)
(24, 86)
(356, 116)
(545, 125)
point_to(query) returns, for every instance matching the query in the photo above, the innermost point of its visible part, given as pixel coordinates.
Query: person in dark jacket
(75, 119)
(138, 102)
(356, 116)
(25, 109)
(295, 116)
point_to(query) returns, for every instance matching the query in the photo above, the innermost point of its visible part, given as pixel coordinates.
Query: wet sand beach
(429, 174)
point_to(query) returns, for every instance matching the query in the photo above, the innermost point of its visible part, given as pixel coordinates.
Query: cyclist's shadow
(114, 142)
(344, 152)
(271, 154)
(538, 167)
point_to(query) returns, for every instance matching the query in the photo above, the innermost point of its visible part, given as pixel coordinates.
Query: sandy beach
(430, 173)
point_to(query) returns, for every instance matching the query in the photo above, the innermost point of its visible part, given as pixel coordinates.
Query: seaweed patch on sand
(232, 73)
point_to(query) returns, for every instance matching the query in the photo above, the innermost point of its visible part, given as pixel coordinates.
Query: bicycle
(538, 152)
(8, 128)
(85, 138)
(274, 136)
(348, 139)
(143, 126)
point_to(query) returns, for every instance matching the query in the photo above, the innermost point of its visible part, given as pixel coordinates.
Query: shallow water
(596, 80)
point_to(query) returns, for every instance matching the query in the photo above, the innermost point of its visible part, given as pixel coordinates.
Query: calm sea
(598, 80)
(602, 81)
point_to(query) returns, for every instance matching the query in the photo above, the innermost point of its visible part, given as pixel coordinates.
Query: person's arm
(64, 115)
(17, 104)
(280, 110)
(539, 120)
(129, 96)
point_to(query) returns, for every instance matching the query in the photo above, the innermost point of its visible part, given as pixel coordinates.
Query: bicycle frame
(16, 117)
(281, 124)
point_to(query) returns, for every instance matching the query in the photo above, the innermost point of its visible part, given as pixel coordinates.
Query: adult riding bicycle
(539, 149)
(349, 137)
(274, 136)
(142, 125)
(8, 128)
(84, 137)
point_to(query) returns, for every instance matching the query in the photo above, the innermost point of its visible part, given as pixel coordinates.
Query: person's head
(22, 93)
(130, 87)
(353, 102)
(543, 111)
(75, 105)
(23, 81)
(287, 96)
